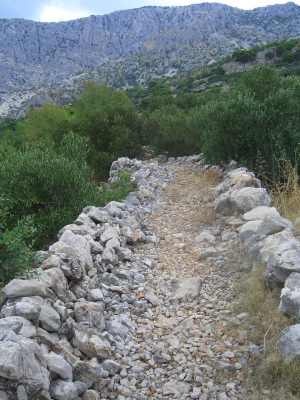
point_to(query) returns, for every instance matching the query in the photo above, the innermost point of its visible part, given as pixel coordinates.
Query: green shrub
(173, 131)
(109, 121)
(16, 253)
(257, 119)
(47, 186)
(49, 123)
(244, 55)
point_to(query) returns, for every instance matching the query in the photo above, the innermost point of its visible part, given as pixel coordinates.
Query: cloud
(55, 11)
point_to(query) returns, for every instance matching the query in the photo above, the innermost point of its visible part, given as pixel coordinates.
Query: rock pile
(60, 333)
(269, 240)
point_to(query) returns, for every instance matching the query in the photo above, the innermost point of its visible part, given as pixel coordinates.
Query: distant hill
(49, 61)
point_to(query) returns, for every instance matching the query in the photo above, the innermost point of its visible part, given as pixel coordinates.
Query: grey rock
(23, 288)
(290, 296)
(55, 279)
(61, 390)
(28, 308)
(241, 201)
(188, 288)
(110, 232)
(74, 246)
(91, 395)
(289, 343)
(111, 366)
(259, 213)
(91, 345)
(49, 318)
(18, 325)
(90, 314)
(98, 215)
(59, 366)
(176, 389)
(21, 393)
(21, 361)
(3, 395)
(95, 295)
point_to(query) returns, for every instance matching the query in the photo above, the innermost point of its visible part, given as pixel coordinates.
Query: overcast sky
(59, 10)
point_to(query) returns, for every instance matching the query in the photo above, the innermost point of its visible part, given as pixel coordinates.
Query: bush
(16, 253)
(108, 119)
(49, 187)
(49, 123)
(173, 131)
(257, 119)
(244, 55)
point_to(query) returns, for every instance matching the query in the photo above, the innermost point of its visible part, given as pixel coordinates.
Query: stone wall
(63, 334)
(268, 239)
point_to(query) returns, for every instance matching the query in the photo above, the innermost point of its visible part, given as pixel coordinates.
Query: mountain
(44, 61)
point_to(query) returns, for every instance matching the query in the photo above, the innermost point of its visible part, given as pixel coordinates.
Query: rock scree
(133, 300)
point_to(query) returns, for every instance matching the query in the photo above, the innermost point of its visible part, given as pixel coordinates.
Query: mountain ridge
(130, 46)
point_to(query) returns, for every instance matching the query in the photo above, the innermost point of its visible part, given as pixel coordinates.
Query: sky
(62, 10)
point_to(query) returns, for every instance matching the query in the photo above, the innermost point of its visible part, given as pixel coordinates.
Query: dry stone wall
(63, 333)
(268, 239)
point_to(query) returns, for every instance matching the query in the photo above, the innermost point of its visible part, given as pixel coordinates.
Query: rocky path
(181, 349)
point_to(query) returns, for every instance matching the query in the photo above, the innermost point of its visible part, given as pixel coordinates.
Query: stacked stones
(62, 333)
(269, 240)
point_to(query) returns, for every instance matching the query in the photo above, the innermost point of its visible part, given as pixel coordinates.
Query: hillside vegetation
(52, 161)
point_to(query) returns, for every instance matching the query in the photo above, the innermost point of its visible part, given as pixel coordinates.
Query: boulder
(115, 209)
(29, 308)
(95, 295)
(21, 361)
(98, 215)
(59, 366)
(289, 343)
(248, 198)
(290, 296)
(260, 212)
(188, 288)
(111, 366)
(55, 279)
(61, 390)
(240, 201)
(74, 246)
(90, 314)
(49, 318)
(91, 395)
(270, 225)
(249, 229)
(89, 372)
(25, 287)
(90, 344)
(119, 326)
(19, 325)
(282, 263)
(110, 232)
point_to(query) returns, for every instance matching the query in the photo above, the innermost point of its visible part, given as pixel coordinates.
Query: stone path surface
(180, 348)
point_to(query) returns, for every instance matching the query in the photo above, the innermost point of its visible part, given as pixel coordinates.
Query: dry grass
(286, 196)
(268, 376)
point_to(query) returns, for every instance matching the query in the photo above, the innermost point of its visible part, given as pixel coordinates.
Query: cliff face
(154, 39)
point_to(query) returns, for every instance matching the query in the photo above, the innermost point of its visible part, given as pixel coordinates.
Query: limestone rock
(24, 288)
(90, 314)
(61, 390)
(187, 288)
(290, 296)
(21, 360)
(289, 343)
(259, 213)
(59, 366)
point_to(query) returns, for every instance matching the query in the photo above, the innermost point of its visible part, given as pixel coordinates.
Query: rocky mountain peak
(129, 46)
